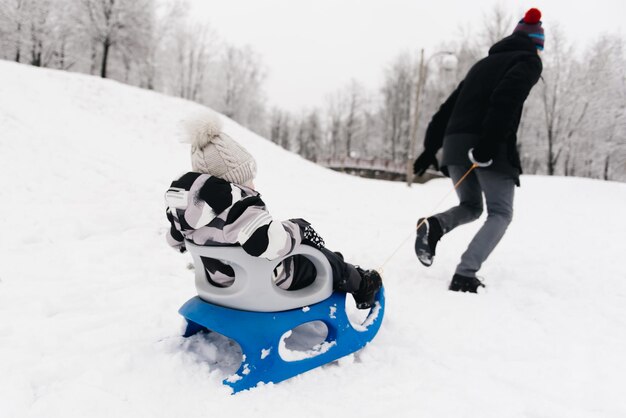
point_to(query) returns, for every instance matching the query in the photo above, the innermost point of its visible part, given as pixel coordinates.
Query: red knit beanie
(531, 26)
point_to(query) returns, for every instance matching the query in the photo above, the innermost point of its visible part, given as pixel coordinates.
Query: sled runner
(257, 314)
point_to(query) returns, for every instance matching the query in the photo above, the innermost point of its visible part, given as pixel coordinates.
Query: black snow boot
(465, 284)
(428, 235)
(370, 284)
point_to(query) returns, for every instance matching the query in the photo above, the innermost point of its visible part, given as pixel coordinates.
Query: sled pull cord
(456, 186)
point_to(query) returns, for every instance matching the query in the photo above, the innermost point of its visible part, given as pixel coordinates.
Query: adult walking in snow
(216, 204)
(477, 128)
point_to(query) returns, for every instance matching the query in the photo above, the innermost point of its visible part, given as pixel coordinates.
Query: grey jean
(499, 189)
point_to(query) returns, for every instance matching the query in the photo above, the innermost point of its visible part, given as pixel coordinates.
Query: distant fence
(378, 168)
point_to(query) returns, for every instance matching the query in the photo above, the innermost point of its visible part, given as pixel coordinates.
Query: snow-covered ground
(89, 290)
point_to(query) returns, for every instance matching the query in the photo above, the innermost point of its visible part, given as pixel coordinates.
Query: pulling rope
(456, 186)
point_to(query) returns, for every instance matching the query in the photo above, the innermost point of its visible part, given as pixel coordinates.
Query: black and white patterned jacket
(207, 210)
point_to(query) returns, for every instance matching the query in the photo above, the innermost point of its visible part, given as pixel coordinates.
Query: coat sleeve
(506, 102)
(173, 236)
(437, 126)
(250, 225)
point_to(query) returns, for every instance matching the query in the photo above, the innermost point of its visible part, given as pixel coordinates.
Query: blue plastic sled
(259, 331)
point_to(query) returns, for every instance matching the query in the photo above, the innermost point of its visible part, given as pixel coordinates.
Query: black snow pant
(345, 276)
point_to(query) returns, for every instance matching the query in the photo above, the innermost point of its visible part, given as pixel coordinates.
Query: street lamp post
(421, 80)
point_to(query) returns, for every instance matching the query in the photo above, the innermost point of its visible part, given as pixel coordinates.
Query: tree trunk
(349, 137)
(105, 56)
(550, 154)
(62, 54)
(18, 43)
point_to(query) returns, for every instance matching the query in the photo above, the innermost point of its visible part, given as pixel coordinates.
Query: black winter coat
(485, 109)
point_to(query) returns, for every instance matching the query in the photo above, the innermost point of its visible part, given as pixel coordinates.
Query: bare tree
(14, 22)
(310, 135)
(184, 52)
(194, 60)
(345, 114)
(563, 104)
(49, 33)
(286, 132)
(497, 24)
(64, 38)
(334, 115)
(37, 31)
(280, 129)
(275, 121)
(112, 23)
(353, 124)
(601, 137)
(398, 96)
(242, 77)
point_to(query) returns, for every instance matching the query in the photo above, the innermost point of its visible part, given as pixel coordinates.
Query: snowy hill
(89, 290)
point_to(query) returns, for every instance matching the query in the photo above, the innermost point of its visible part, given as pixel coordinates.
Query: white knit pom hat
(215, 153)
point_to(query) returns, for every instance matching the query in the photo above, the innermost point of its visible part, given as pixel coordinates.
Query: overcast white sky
(312, 48)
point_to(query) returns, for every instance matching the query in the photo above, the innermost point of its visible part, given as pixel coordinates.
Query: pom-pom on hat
(215, 153)
(531, 26)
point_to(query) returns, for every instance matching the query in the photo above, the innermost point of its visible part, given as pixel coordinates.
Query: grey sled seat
(253, 289)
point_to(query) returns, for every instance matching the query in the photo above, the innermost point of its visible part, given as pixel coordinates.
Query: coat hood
(516, 42)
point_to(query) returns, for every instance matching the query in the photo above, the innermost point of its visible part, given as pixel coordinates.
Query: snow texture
(89, 290)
